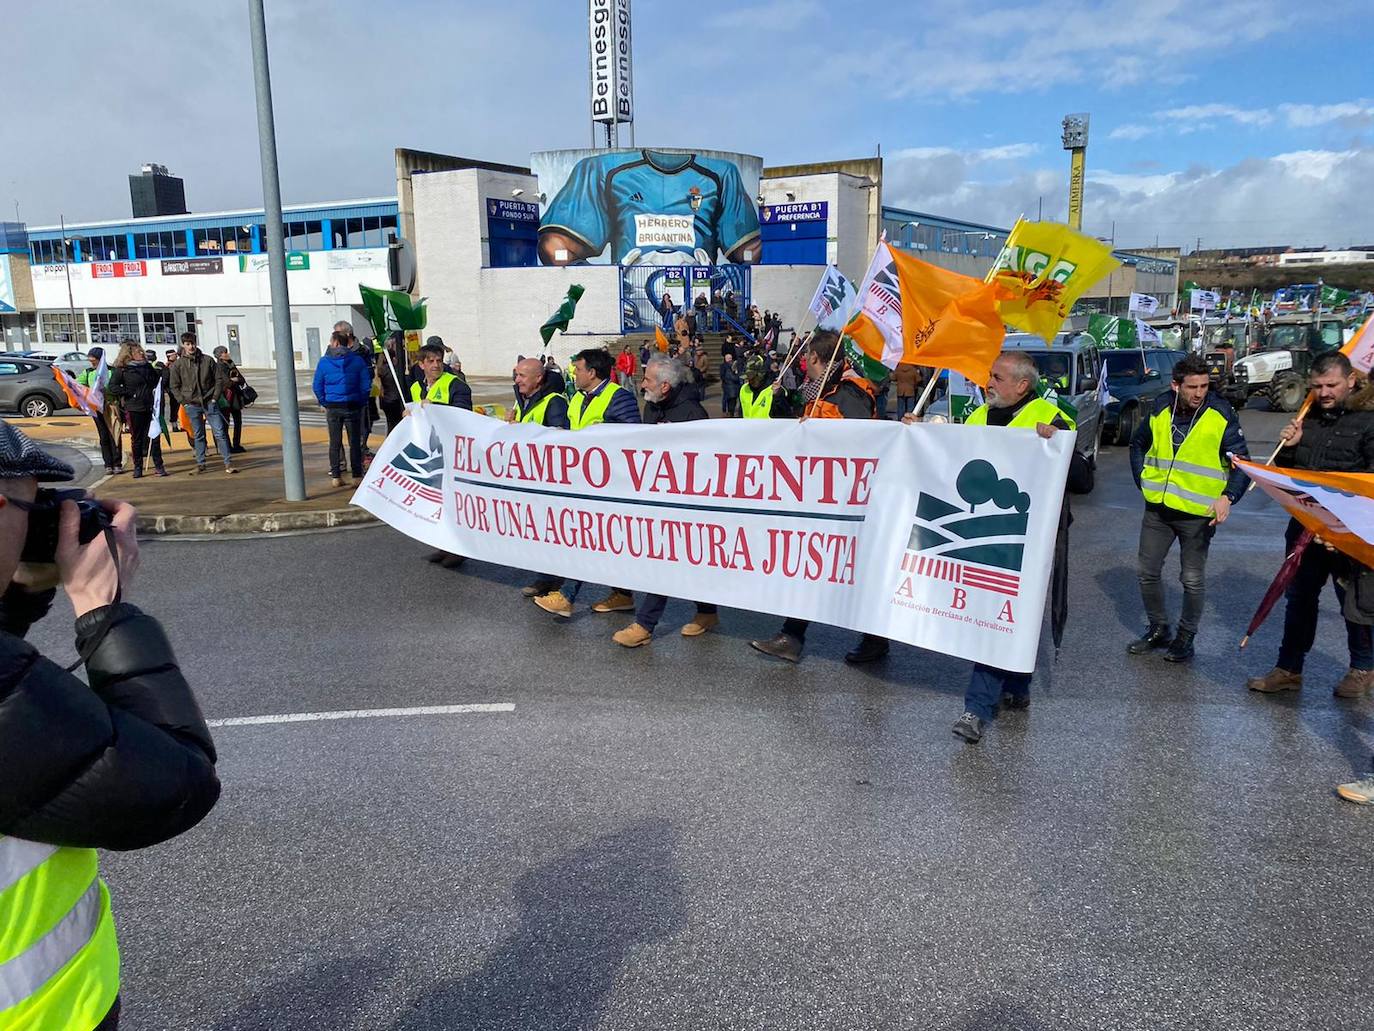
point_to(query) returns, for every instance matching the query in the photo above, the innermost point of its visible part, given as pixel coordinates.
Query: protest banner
(937, 535)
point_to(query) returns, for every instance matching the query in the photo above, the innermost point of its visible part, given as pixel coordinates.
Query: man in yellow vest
(122, 762)
(1012, 401)
(597, 400)
(1178, 457)
(540, 400)
(440, 387)
(757, 398)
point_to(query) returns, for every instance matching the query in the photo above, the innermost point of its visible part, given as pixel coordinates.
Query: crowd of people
(129, 392)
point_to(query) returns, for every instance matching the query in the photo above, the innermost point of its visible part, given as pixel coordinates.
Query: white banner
(1143, 304)
(1205, 300)
(937, 535)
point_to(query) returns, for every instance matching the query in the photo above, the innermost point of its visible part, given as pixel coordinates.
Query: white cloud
(771, 16)
(1005, 152)
(1300, 197)
(1131, 131)
(1355, 114)
(1198, 113)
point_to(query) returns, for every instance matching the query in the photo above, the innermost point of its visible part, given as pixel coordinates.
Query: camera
(40, 546)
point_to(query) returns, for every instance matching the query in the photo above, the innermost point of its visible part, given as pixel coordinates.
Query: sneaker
(969, 727)
(616, 601)
(632, 636)
(783, 646)
(556, 603)
(1156, 636)
(334, 481)
(1274, 681)
(1361, 792)
(197, 471)
(109, 470)
(701, 622)
(161, 471)
(1016, 702)
(1355, 683)
(1181, 650)
(229, 470)
(138, 474)
(238, 450)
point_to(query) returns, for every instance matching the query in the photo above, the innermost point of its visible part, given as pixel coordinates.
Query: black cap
(95, 352)
(20, 457)
(437, 341)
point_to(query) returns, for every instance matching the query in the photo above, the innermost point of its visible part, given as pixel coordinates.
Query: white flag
(1147, 334)
(95, 394)
(1205, 300)
(880, 299)
(1143, 304)
(155, 424)
(834, 299)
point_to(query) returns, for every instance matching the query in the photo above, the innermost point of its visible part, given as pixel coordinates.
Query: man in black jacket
(1179, 458)
(668, 397)
(124, 763)
(1334, 437)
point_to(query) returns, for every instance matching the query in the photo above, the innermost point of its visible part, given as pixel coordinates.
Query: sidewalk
(485, 389)
(250, 502)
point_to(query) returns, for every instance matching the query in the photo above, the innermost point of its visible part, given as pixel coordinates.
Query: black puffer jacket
(680, 405)
(1338, 441)
(134, 385)
(124, 763)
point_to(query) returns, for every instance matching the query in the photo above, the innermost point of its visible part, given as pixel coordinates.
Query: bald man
(540, 399)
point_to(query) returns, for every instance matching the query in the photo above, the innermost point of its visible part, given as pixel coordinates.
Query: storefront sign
(295, 261)
(512, 210)
(192, 266)
(119, 269)
(808, 211)
(354, 259)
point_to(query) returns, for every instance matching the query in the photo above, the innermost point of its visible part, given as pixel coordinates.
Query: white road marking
(362, 714)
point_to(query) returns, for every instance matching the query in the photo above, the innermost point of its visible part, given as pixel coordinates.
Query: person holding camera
(122, 762)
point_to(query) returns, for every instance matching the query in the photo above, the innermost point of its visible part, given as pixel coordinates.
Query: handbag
(247, 395)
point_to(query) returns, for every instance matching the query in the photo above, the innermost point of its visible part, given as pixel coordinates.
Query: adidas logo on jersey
(637, 197)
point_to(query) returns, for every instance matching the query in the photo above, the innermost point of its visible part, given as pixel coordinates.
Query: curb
(252, 523)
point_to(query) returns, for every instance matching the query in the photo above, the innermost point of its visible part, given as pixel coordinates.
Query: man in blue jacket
(343, 380)
(1179, 458)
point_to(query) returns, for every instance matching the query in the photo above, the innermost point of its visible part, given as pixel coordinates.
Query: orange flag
(661, 339)
(76, 393)
(913, 312)
(1337, 507)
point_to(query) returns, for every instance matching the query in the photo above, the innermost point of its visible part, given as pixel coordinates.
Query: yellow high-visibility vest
(438, 390)
(582, 413)
(1037, 411)
(535, 413)
(756, 406)
(59, 962)
(1194, 477)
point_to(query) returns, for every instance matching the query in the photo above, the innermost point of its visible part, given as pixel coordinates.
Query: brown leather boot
(1355, 684)
(1274, 681)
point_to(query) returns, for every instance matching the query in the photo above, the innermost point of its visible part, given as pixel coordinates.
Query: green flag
(1047, 391)
(390, 310)
(559, 320)
(1112, 332)
(869, 368)
(1334, 297)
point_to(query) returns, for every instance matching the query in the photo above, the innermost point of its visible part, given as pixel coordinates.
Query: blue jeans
(987, 685)
(1300, 616)
(651, 608)
(905, 405)
(199, 415)
(572, 588)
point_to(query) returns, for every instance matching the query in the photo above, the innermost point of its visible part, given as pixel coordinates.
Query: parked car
(68, 361)
(1134, 379)
(27, 387)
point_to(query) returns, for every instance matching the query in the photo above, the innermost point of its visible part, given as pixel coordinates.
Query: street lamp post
(293, 466)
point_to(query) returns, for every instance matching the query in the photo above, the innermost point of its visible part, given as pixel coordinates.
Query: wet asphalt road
(692, 836)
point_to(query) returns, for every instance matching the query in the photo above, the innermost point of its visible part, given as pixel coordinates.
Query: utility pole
(293, 467)
(67, 267)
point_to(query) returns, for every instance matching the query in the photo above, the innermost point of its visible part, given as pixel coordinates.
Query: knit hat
(20, 457)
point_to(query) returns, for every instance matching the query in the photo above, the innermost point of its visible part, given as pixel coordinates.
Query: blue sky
(1234, 121)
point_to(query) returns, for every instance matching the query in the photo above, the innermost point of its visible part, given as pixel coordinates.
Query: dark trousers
(796, 627)
(1158, 531)
(233, 427)
(142, 444)
(728, 403)
(339, 420)
(651, 607)
(109, 454)
(394, 412)
(1303, 595)
(988, 684)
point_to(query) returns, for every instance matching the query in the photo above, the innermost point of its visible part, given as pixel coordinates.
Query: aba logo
(976, 546)
(413, 479)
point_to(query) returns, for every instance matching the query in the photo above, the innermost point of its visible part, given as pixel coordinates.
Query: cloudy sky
(1235, 122)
